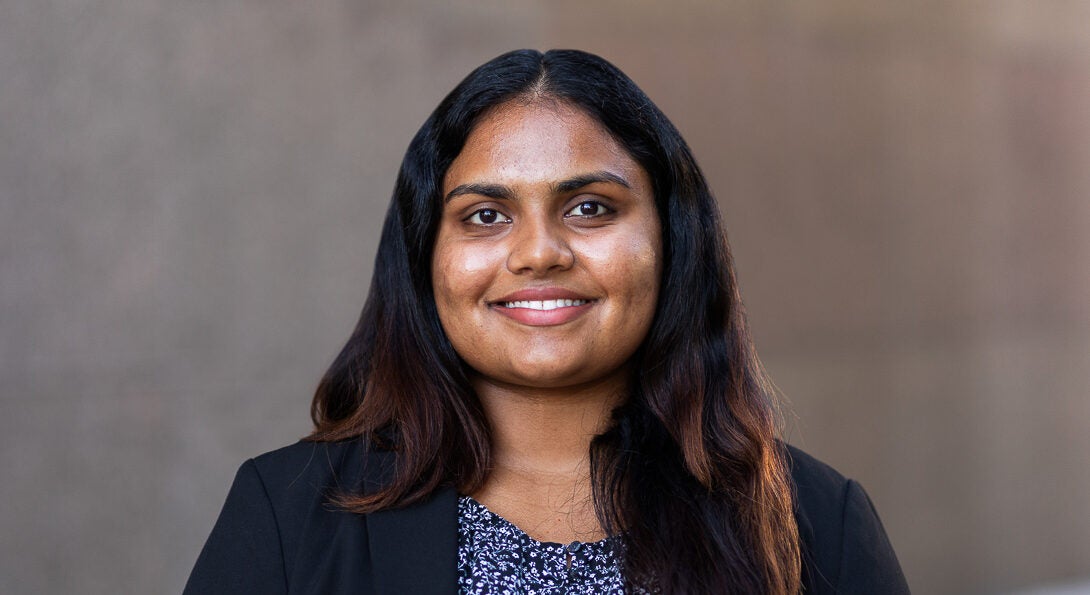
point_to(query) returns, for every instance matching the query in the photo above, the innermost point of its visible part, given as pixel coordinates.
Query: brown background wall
(190, 196)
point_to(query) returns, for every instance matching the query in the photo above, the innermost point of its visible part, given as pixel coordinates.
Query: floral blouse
(497, 557)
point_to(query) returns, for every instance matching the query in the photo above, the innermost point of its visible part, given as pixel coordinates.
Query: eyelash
(600, 210)
(500, 217)
(599, 207)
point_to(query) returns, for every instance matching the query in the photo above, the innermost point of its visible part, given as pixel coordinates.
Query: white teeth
(544, 304)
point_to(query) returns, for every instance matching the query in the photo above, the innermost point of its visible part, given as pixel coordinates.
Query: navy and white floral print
(496, 557)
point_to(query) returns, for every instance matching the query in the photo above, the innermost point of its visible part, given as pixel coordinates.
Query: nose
(539, 247)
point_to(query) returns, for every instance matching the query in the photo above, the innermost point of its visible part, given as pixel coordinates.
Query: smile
(544, 305)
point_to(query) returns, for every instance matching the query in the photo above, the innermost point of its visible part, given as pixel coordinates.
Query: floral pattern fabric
(495, 557)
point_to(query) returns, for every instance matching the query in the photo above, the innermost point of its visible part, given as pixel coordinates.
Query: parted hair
(691, 473)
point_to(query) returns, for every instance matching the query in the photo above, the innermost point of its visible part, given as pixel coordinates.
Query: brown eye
(589, 208)
(487, 217)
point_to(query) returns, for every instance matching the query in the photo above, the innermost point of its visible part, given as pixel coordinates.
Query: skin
(543, 199)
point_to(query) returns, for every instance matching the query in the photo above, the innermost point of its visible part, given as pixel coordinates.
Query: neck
(540, 478)
(545, 429)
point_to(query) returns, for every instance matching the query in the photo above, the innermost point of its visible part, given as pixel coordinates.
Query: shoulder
(819, 489)
(278, 523)
(301, 480)
(845, 547)
(305, 465)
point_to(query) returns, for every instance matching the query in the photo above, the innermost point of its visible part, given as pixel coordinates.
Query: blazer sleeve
(868, 564)
(243, 554)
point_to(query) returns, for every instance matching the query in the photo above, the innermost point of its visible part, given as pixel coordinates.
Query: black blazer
(278, 533)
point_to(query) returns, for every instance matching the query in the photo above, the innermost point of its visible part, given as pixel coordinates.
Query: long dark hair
(691, 473)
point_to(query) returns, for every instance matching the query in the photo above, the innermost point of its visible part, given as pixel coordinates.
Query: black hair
(691, 473)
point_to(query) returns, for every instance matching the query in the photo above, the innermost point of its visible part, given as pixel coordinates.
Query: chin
(539, 379)
(556, 378)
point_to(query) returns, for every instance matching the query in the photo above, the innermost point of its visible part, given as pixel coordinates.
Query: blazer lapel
(415, 549)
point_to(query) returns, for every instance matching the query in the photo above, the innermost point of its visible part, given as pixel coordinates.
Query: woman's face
(549, 253)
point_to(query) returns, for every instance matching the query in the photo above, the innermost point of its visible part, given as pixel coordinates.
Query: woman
(551, 387)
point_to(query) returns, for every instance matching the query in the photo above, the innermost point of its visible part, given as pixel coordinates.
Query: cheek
(460, 275)
(645, 271)
(635, 263)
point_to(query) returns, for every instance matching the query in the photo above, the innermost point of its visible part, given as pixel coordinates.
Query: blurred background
(191, 195)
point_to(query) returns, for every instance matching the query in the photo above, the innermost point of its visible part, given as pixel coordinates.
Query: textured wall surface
(191, 194)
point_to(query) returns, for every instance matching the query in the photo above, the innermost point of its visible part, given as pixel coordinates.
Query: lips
(543, 306)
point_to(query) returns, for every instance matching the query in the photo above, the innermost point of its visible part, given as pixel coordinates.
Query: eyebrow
(499, 191)
(587, 179)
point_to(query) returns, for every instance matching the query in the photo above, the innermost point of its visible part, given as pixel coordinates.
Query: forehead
(538, 141)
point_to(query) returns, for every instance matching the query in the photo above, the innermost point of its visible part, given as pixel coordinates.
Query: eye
(588, 208)
(487, 217)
